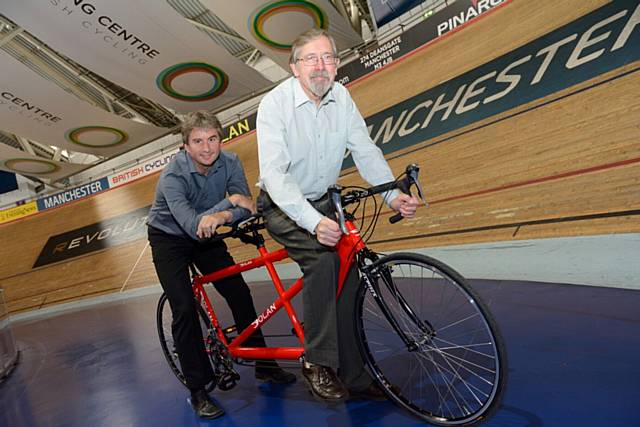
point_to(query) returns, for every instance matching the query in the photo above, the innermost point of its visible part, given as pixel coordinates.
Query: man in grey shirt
(190, 203)
(304, 127)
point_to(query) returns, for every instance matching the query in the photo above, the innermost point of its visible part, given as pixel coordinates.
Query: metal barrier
(8, 351)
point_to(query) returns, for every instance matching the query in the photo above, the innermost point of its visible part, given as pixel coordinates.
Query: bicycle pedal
(228, 381)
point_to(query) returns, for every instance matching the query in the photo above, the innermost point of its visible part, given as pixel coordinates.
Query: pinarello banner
(146, 47)
(272, 26)
(39, 110)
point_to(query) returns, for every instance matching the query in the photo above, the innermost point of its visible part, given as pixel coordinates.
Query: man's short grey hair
(199, 119)
(307, 37)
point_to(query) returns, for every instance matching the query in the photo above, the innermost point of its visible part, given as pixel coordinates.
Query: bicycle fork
(426, 329)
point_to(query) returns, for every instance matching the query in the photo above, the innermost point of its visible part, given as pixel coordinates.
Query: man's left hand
(405, 204)
(209, 223)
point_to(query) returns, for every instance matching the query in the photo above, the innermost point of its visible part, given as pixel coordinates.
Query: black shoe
(372, 392)
(204, 406)
(274, 374)
(324, 383)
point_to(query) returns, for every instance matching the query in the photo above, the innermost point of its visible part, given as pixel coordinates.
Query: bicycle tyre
(455, 371)
(164, 319)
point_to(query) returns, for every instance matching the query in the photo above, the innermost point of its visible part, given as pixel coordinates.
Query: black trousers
(329, 325)
(171, 257)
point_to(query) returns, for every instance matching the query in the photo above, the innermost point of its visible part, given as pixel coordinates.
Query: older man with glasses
(304, 127)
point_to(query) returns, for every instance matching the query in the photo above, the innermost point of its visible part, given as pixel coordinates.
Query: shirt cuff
(238, 214)
(390, 196)
(309, 218)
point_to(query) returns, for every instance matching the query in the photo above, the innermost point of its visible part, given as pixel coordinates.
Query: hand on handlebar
(405, 204)
(209, 223)
(243, 202)
(328, 232)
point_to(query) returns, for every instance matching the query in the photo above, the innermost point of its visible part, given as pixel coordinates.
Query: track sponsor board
(138, 171)
(17, 212)
(73, 194)
(599, 42)
(115, 231)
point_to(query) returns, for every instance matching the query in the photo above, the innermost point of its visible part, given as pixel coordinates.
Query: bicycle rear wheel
(164, 319)
(430, 341)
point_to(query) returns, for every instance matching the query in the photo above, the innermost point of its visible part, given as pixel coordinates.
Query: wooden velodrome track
(563, 165)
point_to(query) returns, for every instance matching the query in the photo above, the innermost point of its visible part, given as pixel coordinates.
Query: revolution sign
(116, 231)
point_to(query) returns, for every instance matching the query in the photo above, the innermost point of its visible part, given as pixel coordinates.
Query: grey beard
(320, 89)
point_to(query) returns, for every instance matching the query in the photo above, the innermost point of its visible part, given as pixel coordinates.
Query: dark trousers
(329, 325)
(171, 257)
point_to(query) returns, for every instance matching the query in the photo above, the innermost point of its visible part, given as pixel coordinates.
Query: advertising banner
(271, 26)
(143, 169)
(17, 212)
(599, 42)
(112, 232)
(146, 47)
(72, 194)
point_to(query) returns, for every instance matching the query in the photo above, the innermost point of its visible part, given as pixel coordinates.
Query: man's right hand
(328, 232)
(243, 202)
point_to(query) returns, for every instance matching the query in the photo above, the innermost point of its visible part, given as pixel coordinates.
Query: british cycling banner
(271, 26)
(146, 47)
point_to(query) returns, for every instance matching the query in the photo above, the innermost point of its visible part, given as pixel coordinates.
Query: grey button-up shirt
(301, 147)
(184, 196)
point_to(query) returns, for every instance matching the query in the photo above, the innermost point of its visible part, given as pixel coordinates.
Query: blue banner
(594, 44)
(77, 193)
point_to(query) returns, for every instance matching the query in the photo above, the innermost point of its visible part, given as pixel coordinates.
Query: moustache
(320, 73)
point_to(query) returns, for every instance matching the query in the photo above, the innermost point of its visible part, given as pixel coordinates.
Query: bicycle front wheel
(164, 321)
(430, 341)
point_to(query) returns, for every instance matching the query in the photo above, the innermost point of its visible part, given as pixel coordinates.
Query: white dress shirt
(301, 147)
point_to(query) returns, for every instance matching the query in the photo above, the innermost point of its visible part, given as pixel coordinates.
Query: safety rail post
(8, 350)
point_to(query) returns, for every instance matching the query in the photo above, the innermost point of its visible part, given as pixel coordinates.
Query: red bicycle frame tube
(346, 248)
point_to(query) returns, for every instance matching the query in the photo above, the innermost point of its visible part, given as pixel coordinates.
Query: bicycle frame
(348, 246)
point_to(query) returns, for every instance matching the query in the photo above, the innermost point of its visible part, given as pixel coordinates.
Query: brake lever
(412, 174)
(335, 196)
(405, 184)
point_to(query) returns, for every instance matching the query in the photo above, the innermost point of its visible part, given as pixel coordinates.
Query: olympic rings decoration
(14, 164)
(74, 135)
(258, 19)
(165, 79)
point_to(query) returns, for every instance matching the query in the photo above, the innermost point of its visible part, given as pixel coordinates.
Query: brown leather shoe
(204, 406)
(372, 392)
(323, 383)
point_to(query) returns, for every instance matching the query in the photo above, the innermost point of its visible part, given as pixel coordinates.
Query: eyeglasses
(312, 60)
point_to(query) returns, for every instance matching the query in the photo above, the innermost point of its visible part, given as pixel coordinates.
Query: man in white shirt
(304, 127)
